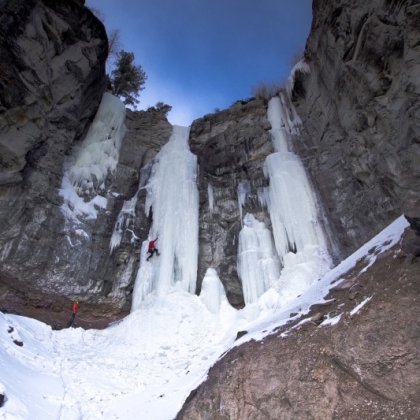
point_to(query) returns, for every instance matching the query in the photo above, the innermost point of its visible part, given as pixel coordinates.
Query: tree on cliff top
(127, 79)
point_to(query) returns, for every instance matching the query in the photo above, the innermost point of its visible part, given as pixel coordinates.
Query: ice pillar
(173, 199)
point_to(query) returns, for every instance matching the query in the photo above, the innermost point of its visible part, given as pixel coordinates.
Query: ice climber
(74, 307)
(152, 249)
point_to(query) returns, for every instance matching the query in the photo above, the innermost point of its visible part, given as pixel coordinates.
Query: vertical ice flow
(292, 206)
(300, 255)
(172, 196)
(258, 264)
(84, 177)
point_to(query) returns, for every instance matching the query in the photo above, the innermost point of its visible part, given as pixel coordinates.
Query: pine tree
(127, 79)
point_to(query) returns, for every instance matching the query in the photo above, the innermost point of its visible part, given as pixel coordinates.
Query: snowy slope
(145, 366)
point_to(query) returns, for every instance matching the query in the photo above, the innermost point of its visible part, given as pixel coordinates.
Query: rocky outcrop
(51, 82)
(365, 366)
(231, 147)
(361, 115)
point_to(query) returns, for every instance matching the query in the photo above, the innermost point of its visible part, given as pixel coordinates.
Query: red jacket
(74, 307)
(152, 243)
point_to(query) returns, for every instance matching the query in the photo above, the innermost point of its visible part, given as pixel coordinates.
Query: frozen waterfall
(257, 259)
(300, 255)
(84, 177)
(172, 196)
(292, 207)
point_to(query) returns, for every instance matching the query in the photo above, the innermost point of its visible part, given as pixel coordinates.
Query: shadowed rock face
(361, 113)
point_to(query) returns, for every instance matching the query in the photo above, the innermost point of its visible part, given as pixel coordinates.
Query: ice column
(84, 177)
(298, 236)
(212, 291)
(292, 206)
(173, 198)
(258, 264)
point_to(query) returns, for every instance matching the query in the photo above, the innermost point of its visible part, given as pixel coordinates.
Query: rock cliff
(51, 82)
(231, 147)
(360, 113)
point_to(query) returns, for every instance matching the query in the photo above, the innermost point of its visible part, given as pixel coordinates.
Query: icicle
(173, 197)
(258, 264)
(212, 291)
(244, 188)
(300, 66)
(263, 194)
(211, 197)
(278, 129)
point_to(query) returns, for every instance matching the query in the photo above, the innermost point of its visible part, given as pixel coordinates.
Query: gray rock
(231, 147)
(360, 112)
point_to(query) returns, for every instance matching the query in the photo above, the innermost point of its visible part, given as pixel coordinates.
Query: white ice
(210, 194)
(275, 277)
(173, 198)
(84, 175)
(212, 291)
(298, 236)
(258, 263)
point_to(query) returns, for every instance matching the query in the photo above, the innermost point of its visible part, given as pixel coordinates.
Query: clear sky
(201, 55)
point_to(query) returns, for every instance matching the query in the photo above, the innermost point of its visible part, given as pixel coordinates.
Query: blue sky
(201, 55)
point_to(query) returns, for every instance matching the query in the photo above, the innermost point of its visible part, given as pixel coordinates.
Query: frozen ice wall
(258, 264)
(298, 235)
(84, 175)
(300, 256)
(292, 208)
(173, 198)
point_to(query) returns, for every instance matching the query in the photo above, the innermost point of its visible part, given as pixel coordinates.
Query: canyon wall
(361, 114)
(52, 79)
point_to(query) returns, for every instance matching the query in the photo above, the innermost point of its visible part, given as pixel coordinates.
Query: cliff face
(231, 147)
(51, 81)
(52, 78)
(361, 115)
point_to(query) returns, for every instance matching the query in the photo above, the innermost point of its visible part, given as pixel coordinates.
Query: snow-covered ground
(145, 366)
